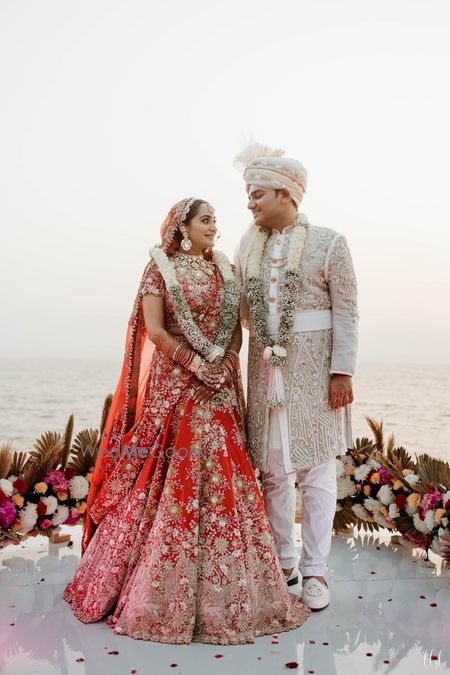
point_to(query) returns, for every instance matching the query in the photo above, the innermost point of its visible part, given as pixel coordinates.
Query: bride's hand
(213, 375)
(203, 393)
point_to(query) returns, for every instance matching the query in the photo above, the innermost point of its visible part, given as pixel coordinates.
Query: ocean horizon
(39, 394)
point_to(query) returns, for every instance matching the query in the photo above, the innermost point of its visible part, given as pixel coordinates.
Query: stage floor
(390, 613)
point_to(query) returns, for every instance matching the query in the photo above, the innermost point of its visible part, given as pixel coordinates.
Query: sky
(113, 110)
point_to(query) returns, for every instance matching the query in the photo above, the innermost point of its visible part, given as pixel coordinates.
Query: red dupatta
(126, 406)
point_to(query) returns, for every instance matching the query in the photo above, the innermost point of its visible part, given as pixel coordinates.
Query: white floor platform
(390, 613)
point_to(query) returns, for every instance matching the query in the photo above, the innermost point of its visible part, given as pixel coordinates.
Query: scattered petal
(360, 597)
(386, 661)
(369, 654)
(312, 642)
(134, 671)
(114, 652)
(389, 599)
(325, 644)
(373, 572)
(434, 658)
(259, 658)
(433, 604)
(291, 664)
(80, 660)
(12, 624)
(423, 597)
(173, 665)
(218, 656)
(275, 642)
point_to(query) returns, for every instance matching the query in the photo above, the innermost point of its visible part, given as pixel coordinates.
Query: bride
(177, 547)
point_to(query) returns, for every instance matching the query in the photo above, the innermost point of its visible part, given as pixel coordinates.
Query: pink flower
(431, 500)
(46, 522)
(7, 513)
(385, 476)
(57, 480)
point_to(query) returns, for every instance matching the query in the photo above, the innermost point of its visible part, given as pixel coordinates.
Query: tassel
(275, 388)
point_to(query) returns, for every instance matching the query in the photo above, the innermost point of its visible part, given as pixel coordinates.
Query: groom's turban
(264, 167)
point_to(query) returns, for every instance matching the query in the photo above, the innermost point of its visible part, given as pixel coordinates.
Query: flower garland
(275, 349)
(210, 350)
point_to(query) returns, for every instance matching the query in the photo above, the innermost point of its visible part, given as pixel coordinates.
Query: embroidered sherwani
(324, 341)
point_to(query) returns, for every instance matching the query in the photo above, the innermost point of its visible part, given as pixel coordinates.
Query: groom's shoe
(316, 595)
(292, 576)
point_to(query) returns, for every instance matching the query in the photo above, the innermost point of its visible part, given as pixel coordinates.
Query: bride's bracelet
(184, 356)
(233, 367)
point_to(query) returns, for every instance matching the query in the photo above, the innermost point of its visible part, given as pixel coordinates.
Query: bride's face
(202, 229)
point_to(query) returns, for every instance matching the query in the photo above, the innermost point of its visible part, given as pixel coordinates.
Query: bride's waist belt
(303, 321)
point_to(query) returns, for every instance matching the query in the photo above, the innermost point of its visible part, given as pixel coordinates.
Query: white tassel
(276, 397)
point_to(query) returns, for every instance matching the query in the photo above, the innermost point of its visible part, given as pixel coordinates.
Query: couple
(177, 546)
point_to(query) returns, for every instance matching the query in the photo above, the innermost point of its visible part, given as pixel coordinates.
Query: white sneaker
(315, 595)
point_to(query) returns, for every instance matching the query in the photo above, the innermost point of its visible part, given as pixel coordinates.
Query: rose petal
(369, 654)
(433, 604)
(312, 642)
(80, 660)
(423, 597)
(291, 664)
(386, 661)
(325, 644)
(434, 658)
(218, 656)
(114, 652)
(360, 597)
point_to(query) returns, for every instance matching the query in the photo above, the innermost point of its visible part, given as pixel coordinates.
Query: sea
(38, 395)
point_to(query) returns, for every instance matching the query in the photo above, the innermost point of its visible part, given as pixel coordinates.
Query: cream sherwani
(301, 440)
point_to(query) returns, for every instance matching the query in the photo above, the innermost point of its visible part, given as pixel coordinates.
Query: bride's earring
(186, 243)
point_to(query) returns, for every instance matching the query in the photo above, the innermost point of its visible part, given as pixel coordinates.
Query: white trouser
(318, 489)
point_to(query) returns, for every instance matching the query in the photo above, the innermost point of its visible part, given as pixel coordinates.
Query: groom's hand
(341, 391)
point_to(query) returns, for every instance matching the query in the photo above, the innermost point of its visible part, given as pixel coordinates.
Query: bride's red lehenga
(177, 547)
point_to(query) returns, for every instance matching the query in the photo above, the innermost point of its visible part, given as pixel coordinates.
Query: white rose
(62, 513)
(361, 472)
(385, 495)
(345, 488)
(51, 503)
(28, 517)
(6, 486)
(393, 511)
(79, 487)
(359, 511)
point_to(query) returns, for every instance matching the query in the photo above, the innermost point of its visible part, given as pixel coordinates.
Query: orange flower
(398, 485)
(62, 496)
(81, 508)
(89, 477)
(375, 478)
(352, 471)
(41, 488)
(439, 514)
(367, 490)
(407, 472)
(18, 500)
(384, 511)
(413, 499)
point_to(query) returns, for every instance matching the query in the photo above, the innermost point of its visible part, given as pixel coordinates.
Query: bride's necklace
(196, 265)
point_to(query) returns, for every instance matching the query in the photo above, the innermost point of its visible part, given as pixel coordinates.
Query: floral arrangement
(211, 351)
(48, 487)
(379, 485)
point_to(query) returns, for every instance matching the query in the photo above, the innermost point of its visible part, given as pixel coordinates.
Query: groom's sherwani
(324, 342)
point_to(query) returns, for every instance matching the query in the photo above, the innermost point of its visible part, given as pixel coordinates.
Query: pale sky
(112, 110)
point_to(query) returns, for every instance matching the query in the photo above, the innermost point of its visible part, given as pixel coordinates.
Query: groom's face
(265, 205)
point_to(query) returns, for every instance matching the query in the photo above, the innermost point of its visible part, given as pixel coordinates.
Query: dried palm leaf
(345, 518)
(67, 440)
(12, 536)
(5, 459)
(105, 412)
(361, 450)
(378, 432)
(390, 446)
(396, 466)
(368, 525)
(84, 451)
(18, 463)
(433, 472)
(44, 458)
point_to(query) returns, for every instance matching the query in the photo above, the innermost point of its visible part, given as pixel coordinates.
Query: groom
(299, 302)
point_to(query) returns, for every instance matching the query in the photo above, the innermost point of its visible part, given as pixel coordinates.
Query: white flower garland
(275, 350)
(211, 351)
